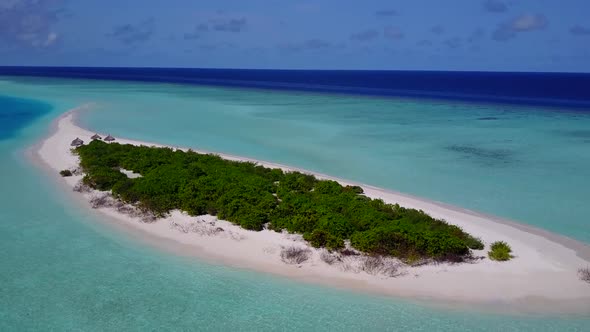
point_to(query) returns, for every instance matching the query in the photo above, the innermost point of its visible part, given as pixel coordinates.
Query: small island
(312, 227)
(255, 197)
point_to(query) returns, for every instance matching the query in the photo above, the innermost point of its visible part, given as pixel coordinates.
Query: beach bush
(330, 257)
(251, 196)
(584, 274)
(354, 189)
(474, 243)
(295, 255)
(372, 264)
(500, 251)
(66, 173)
(80, 187)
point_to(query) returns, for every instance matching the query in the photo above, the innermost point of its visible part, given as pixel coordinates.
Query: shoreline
(542, 277)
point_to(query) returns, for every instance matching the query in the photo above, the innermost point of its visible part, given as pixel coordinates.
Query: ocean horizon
(514, 146)
(525, 88)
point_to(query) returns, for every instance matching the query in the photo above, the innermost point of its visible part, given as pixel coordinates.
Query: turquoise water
(527, 164)
(61, 269)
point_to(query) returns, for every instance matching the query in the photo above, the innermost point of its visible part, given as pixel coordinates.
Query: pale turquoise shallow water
(61, 269)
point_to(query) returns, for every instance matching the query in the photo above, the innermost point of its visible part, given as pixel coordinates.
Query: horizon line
(299, 69)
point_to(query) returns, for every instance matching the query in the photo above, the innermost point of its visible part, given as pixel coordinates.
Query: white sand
(542, 276)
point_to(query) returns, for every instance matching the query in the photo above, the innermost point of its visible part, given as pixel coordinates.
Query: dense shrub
(103, 178)
(500, 251)
(354, 189)
(322, 238)
(66, 173)
(474, 243)
(252, 196)
(408, 240)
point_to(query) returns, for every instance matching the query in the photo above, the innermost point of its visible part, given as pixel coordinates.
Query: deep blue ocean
(519, 148)
(557, 89)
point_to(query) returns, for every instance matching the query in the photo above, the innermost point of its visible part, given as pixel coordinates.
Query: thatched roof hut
(109, 138)
(77, 142)
(95, 137)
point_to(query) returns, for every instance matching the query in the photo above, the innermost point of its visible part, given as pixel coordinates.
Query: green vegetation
(253, 196)
(65, 173)
(500, 251)
(474, 243)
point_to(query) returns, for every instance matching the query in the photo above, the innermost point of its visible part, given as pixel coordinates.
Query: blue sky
(497, 35)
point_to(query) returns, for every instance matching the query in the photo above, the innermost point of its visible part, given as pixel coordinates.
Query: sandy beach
(543, 276)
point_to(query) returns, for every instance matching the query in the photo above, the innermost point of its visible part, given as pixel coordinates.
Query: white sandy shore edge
(542, 276)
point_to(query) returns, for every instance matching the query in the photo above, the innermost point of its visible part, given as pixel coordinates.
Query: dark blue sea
(549, 89)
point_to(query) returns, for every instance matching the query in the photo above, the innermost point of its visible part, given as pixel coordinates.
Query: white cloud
(28, 22)
(528, 22)
(51, 38)
(522, 23)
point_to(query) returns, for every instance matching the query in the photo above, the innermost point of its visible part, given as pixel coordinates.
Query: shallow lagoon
(61, 269)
